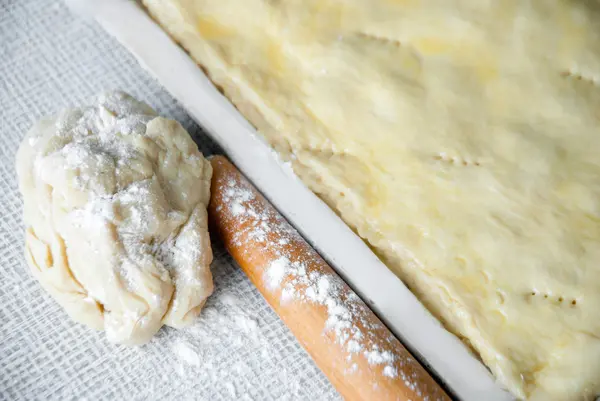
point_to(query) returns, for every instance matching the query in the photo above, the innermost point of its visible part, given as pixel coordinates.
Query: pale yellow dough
(459, 138)
(114, 204)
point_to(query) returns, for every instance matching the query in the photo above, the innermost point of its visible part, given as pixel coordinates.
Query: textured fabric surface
(238, 349)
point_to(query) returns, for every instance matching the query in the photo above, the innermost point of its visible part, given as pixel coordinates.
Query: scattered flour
(246, 324)
(346, 318)
(390, 371)
(226, 330)
(186, 353)
(277, 272)
(231, 388)
(347, 321)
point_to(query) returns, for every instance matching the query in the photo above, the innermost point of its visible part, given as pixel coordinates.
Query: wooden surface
(359, 355)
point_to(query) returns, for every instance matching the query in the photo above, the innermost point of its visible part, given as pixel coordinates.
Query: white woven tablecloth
(238, 349)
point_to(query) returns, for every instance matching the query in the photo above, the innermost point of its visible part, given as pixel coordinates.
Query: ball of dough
(115, 204)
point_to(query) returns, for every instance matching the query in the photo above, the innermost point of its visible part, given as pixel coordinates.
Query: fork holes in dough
(578, 76)
(380, 39)
(559, 300)
(456, 160)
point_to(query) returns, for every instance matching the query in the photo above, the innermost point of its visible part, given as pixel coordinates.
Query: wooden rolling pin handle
(353, 348)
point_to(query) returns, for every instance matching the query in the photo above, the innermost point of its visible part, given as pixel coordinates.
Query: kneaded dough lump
(460, 138)
(115, 211)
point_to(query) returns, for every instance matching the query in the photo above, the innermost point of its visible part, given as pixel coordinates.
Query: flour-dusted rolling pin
(359, 355)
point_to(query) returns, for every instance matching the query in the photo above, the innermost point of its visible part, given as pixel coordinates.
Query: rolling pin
(354, 349)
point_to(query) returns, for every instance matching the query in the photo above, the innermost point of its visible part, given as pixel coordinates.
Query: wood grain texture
(356, 372)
